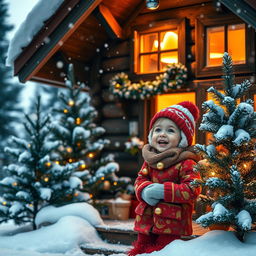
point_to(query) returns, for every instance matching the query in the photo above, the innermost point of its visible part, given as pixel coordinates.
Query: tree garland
(174, 77)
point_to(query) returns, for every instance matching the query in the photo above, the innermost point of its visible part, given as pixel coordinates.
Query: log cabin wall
(117, 56)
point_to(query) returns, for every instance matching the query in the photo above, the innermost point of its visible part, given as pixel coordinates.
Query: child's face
(166, 135)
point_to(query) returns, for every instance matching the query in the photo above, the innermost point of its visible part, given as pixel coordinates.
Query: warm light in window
(215, 45)
(169, 40)
(216, 37)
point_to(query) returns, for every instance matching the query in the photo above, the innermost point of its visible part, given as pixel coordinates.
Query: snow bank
(85, 211)
(30, 27)
(62, 237)
(213, 243)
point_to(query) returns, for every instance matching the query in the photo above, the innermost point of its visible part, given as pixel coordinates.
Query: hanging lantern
(152, 4)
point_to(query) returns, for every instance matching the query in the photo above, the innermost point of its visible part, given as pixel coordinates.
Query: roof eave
(57, 30)
(242, 10)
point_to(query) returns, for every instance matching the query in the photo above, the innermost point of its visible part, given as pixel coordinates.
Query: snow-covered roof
(34, 21)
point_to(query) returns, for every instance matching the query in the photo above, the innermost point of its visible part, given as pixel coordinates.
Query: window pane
(167, 58)
(148, 43)
(215, 46)
(169, 40)
(148, 63)
(236, 43)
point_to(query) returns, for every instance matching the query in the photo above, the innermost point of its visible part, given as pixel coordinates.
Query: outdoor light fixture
(152, 4)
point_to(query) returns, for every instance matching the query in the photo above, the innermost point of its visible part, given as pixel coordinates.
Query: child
(163, 183)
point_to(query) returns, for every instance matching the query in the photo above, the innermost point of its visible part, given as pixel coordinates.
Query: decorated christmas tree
(34, 181)
(228, 169)
(80, 139)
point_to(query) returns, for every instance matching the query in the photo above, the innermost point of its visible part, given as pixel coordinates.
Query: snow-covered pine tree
(80, 139)
(9, 91)
(228, 169)
(34, 181)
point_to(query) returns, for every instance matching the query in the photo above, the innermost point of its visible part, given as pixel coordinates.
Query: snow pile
(213, 243)
(64, 236)
(30, 27)
(51, 214)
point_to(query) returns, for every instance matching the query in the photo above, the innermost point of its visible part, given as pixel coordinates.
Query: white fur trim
(183, 142)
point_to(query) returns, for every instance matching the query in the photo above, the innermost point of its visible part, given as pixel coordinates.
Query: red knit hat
(184, 115)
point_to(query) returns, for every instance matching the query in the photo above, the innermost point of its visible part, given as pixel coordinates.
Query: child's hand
(153, 193)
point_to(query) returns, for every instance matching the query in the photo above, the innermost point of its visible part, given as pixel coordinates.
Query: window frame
(174, 24)
(201, 46)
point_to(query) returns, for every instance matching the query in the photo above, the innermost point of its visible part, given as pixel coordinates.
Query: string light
(57, 162)
(83, 166)
(70, 160)
(76, 194)
(69, 149)
(115, 183)
(90, 195)
(78, 120)
(102, 178)
(71, 103)
(46, 179)
(48, 164)
(78, 144)
(65, 111)
(14, 184)
(213, 173)
(4, 203)
(91, 155)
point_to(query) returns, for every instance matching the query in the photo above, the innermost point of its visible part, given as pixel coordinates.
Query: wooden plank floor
(128, 226)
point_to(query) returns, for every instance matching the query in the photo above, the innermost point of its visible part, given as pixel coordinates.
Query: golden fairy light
(115, 183)
(83, 166)
(71, 103)
(78, 120)
(76, 194)
(102, 178)
(70, 160)
(91, 155)
(90, 195)
(213, 173)
(57, 162)
(48, 164)
(4, 203)
(65, 111)
(46, 179)
(14, 184)
(78, 144)
(69, 149)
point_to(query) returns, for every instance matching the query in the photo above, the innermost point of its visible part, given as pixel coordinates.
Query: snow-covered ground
(73, 226)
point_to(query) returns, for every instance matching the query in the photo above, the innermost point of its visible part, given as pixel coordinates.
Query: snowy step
(105, 249)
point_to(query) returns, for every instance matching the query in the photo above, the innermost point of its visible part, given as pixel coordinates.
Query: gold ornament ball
(106, 185)
(158, 211)
(160, 166)
(145, 171)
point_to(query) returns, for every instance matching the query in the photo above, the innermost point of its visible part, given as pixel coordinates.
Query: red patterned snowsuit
(173, 215)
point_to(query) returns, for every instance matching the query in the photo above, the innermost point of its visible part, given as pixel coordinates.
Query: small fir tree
(80, 139)
(33, 181)
(228, 169)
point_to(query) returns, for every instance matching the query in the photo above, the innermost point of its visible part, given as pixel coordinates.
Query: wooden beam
(246, 13)
(111, 25)
(77, 15)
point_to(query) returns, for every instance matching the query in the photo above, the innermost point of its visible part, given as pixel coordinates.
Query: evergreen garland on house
(228, 170)
(81, 139)
(33, 180)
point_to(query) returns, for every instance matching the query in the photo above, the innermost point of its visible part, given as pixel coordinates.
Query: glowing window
(225, 38)
(156, 50)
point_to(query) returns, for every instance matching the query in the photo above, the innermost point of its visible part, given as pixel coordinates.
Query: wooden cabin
(105, 37)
